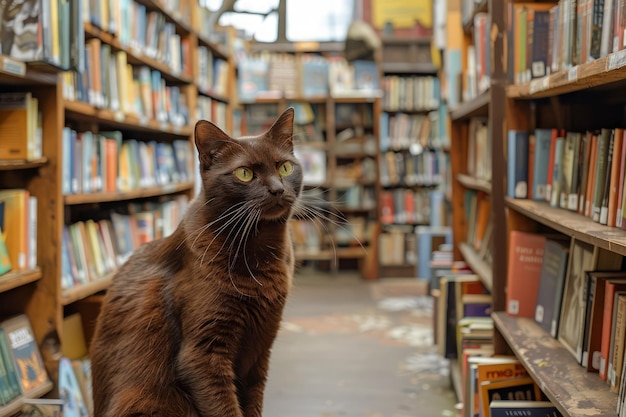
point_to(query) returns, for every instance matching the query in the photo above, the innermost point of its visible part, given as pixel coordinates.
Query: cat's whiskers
(199, 233)
(237, 215)
(253, 223)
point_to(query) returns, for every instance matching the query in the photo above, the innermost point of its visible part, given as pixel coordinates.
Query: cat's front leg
(254, 387)
(210, 381)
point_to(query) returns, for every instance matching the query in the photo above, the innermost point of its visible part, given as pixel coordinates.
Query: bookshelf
(189, 87)
(340, 157)
(575, 95)
(413, 152)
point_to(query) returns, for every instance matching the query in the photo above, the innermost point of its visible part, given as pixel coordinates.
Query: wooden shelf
(601, 72)
(87, 112)
(213, 95)
(473, 183)
(477, 107)
(414, 111)
(11, 165)
(74, 199)
(574, 391)
(13, 71)
(83, 291)
(14, 279)
(352, 253)
(322, 255)
(15, 406)
(478, 265)
(572, 224)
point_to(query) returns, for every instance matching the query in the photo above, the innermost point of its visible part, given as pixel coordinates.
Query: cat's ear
(209, 140)
(281, 132)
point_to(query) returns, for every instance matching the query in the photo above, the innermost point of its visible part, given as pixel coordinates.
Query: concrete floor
(350, 348)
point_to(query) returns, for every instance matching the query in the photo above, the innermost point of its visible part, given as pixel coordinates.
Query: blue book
(517, 164)
(384, 132)
(541, 162)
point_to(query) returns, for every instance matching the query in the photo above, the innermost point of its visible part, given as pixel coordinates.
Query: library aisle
(352, 348)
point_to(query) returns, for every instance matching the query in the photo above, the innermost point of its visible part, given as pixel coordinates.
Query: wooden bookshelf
(575, 392)
(76, 199)
(15, 279)
(472, 183)
(477, 107)
(478, 265)
(15, 406)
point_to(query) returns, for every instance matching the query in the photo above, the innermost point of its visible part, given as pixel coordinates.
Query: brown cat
(187, 325)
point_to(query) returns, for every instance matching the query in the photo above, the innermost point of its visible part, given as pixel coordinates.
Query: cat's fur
(187, 325)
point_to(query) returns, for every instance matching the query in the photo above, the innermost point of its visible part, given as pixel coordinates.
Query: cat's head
(260, 173)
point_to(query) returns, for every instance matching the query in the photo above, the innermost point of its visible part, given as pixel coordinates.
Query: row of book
(577, 294)
(93, 249)
(351, 170)
(414, 93)
(408, 169)
(211, 109)
(406, 206)
(141, 29)
(22, 370)
(578, 171)
(110, 82)
(402, 131)
(20, 129)
(479, 149)
(479, 223)
(44, 32)
(212, 74)
(307, 75)
(478, 75)
(552, 37)
(400, 246)
(18, 230)
(108, 162)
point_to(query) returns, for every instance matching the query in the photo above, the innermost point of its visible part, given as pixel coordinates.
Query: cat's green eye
(244, 174)
(285, 169)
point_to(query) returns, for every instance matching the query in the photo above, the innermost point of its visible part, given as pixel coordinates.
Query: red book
(607, 322)
(524, 270)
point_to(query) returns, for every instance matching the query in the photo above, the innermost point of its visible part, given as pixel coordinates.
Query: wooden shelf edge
(572, 224)
(122, 120)
(75, 199)
(83, 291)
(408, 68)
(602, 71)
(14, 279)
(478, 265)
(574, 391)
(478, 106)
(323, 255)
(473, 183)
(10, 165)
(16, 405)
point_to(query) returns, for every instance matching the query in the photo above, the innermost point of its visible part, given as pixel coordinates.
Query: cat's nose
(276, 187)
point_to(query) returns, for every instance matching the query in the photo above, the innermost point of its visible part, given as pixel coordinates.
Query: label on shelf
(616, 60)
(572, 74)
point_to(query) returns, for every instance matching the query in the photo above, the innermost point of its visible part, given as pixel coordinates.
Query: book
(15, 230)
(543, 139)
(18, 126)
(517, 164)
(582, 258)
(503, 408)
(70, 391)
(523, 272)
(596, 315)
(551, 282)
(25, 353)
(508, 390)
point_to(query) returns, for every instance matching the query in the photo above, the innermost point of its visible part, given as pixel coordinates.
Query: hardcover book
(502, 408)
(551, 282)
(524, 270)
(508, 390)
(27, 359)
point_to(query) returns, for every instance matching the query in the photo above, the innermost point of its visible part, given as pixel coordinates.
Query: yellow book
(15, 223)
(54, 30)
(122, 86)
(95, 247)
(15, 125)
